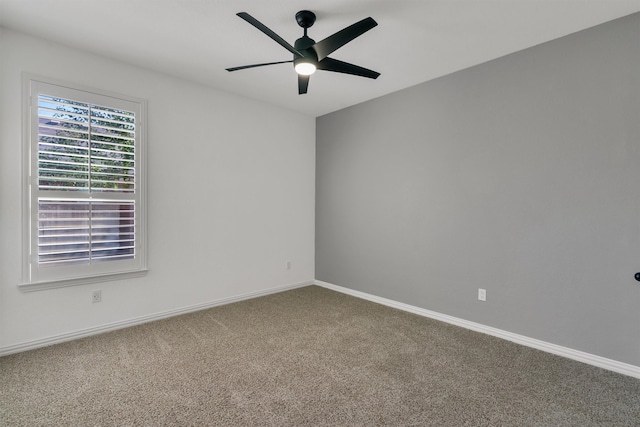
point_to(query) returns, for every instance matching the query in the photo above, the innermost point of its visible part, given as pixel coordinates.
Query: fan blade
(324, 47)
(259, 25)
(303, 84)
(256, 65)
(330, 64)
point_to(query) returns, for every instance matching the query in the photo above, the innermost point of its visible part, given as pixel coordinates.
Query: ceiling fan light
(305, 68)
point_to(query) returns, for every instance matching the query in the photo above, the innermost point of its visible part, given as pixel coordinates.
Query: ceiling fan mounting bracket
(305, 18)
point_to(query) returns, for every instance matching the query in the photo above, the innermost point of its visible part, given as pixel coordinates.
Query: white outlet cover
(96, 296)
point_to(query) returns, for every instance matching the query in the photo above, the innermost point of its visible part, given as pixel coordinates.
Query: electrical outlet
(482, 294)
(288, 265)
(96, 296)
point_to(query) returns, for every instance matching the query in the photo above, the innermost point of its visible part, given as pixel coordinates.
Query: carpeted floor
(309, 356)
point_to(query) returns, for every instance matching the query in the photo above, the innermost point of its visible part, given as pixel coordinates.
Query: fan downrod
(305, 18)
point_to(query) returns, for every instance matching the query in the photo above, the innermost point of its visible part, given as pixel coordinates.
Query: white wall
(230, 196)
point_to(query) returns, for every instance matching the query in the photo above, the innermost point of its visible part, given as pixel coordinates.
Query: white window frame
(34, 277)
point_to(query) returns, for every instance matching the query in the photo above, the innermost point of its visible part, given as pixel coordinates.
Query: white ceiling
(415, 40)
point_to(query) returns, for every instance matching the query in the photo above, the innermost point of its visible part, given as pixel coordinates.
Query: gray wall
(519, 176)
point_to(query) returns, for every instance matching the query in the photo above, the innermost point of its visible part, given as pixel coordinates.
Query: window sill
(53, 284)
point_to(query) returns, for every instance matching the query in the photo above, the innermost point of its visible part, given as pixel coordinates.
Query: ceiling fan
(309, 55)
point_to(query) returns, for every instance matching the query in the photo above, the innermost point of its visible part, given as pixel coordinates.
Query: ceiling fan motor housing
(302, 45)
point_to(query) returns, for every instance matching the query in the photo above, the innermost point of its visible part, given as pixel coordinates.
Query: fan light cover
(305, 68)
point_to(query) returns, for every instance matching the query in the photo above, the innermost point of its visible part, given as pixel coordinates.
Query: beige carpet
(309, 356)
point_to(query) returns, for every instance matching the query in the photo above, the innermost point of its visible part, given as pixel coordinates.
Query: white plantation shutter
(84, 147)
(76, 231)
(84, 183)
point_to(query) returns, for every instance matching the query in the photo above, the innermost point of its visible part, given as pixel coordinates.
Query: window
(84, 186)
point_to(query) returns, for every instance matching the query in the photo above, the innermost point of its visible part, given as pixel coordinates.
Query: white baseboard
(580, 356)
(30, 345)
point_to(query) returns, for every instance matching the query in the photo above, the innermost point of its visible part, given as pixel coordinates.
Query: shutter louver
(112, 150)
(63, 145)
(63, 232)
(112, 230)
